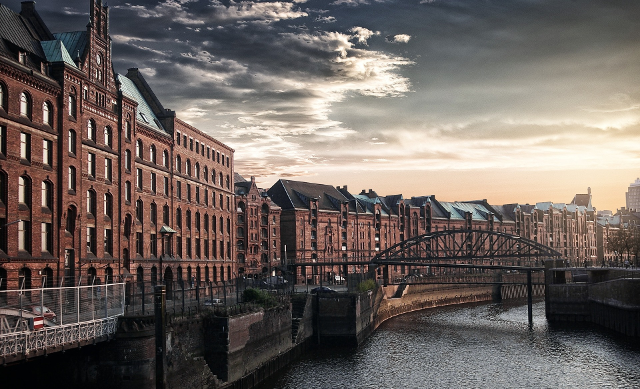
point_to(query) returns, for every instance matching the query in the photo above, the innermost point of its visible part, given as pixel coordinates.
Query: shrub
(366, 285)
(259, 297)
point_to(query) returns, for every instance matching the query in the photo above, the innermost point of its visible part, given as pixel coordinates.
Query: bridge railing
(36, 319)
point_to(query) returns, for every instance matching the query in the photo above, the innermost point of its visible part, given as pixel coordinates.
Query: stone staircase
(400, 291)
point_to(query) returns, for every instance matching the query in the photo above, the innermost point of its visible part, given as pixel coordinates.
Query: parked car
(322, 290)
(273, 282)
(213, 302)
(39, 309)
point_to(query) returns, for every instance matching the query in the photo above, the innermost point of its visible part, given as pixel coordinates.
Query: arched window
(91, 130)
(72, 142)
(188, 168)
(127, 191)
(197, 171)
(47, 195)
(165, 214)
(91, 202)
(71, 179)
(179, 218)
(178, 164)
(206, 222)
(72, 105)
(188, 219)
(139, 149)
(152, 153)
(25, 105)
(47, 114)
(221, 180)
(205, 173)
(108, 205)
(153, 215)
(108, 137)
(24, 278)
(127, 130)
(165, 159)
(139, 210)
(228, 184)
(24, 191)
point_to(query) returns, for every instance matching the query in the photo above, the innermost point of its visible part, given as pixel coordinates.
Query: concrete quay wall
(613, 304)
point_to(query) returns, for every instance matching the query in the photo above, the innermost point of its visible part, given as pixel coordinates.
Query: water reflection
(486, 346)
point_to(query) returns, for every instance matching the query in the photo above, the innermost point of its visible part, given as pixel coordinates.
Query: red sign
(38, 323)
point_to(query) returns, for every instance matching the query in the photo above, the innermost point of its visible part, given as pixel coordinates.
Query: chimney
(589, 190)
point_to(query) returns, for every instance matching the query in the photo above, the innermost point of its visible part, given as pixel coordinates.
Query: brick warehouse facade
(97, 178)
(330, 231)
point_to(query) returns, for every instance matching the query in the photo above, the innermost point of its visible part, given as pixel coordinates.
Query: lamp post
(164, 232)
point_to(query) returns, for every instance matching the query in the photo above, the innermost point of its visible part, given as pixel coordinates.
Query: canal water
(478, 346)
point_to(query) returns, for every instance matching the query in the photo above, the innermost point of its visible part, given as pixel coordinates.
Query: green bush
(366, 285)
(259, 297)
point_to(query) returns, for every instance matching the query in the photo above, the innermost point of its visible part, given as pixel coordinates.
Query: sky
(510, 101)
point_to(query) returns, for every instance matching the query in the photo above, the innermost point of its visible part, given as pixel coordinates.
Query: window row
(218, 179)
(214, 222)
(211, 153)
(26, 106)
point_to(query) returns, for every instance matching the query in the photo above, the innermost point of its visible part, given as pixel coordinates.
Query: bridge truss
(469, 248)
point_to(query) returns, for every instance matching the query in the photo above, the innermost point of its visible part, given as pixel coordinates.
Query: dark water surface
(479, 346)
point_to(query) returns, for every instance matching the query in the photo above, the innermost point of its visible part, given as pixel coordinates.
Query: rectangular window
(189, 254)
(198, 247)
(47, 237)
(108, 242)
(24, 235)
(178, 137)
(206, 196)
(91, 165)
(188, 192)
(154, 245)
(139, 243)
(178, 189)
(166, 186)
(197, 147)
(25, 146)
(139, 178)
(153, 182)
(191, 144)
(197, 195)
(47, 152)
(127, 192)
(108, 170)
(208, 152)
(179, 246)
(91, 240)
(184, 141)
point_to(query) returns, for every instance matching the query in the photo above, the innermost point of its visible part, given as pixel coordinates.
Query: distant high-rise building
(633, 195)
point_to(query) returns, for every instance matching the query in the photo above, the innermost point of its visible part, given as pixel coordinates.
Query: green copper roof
(75, 42)
(145, 114)
(55, 51)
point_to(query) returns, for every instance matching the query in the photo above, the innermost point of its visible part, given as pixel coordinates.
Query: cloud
(363, 34)
(400, 38)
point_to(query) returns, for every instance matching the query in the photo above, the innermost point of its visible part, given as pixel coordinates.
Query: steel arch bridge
(469, 248)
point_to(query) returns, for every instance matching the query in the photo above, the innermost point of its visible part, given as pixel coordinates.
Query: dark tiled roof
(18, 31)
(75, 42)
(290, 194)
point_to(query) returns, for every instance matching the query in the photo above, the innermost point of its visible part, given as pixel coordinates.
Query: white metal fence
(37, 319)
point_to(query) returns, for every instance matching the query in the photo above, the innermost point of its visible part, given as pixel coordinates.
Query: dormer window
(22, 57)
(144, 118)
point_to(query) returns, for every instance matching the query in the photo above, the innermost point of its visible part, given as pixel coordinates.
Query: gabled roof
(20, 32)
(75, 42)
(145, 115)
(583, 200)
(55, 51)
(290, 194)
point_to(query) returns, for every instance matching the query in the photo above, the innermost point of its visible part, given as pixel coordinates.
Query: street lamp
(164, 231)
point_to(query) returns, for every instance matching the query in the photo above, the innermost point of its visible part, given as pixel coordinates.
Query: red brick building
(257, 230)
(97, 178)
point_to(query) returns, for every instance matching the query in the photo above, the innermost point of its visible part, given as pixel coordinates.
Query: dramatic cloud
(301, 88)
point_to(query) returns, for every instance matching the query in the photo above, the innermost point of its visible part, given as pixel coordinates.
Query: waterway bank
(476, 345)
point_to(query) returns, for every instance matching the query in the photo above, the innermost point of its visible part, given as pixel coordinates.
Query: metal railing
(37, 319)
